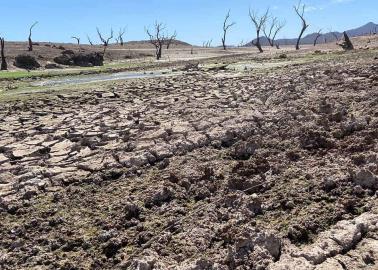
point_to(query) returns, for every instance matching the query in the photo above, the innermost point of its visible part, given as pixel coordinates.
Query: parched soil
(269, 169)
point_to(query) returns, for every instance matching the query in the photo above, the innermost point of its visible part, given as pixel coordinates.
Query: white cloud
(341, 1)
(312, 8)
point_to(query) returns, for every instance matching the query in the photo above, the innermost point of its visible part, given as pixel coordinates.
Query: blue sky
(195, 20)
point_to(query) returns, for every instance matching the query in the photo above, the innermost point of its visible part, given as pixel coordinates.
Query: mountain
(366, 29)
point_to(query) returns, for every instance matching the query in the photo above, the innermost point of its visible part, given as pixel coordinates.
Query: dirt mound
(71, 58)
(26, 61)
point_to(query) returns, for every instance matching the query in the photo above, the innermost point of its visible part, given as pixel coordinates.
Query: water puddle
(74, 80)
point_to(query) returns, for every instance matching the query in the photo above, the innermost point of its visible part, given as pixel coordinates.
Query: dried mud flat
(276, 169)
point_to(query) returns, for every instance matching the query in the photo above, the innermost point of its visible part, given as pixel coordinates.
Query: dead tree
(226, 26)
(157, 38)
(77, 40)
(4, 65)
(207, 44)
(300, 9)
(278, 28)
(121, 33)
(334, 34)
(347, 44)
(267, 34)
(89, 40)
(30, 48)
(171, 39)
(318, 35)
(259, 23)
(105, 41)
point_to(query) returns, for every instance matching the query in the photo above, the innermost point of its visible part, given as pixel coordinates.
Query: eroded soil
(275, 169)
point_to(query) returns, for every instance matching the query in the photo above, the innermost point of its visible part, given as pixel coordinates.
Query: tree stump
(347, 44)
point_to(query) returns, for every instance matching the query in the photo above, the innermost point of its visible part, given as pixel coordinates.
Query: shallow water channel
(83, 79)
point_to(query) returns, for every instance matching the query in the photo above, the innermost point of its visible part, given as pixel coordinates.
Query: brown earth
(212, 169)
(45, 52)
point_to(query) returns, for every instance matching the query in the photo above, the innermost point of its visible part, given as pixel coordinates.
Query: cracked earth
(275, 169)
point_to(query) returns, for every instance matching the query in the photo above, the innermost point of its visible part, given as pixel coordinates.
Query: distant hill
(366, 29)
(146, 42)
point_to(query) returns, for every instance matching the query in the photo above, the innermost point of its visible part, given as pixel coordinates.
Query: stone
(52, 66)
(366, 179)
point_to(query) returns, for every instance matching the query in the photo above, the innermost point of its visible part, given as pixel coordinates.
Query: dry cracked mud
(275, 169)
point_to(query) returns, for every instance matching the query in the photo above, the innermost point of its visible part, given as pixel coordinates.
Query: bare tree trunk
(120, 36)
(257, 43)
(347, 44)
(268, 35)
(159, 52)
(300, 13)
(318, 35)
(225, 29)
(158, 39)
(4, 65)
(105, 41)
(171, 39)
(279, 27)
(30, 48)
(89, 40)
(77, 40)
(259, 23)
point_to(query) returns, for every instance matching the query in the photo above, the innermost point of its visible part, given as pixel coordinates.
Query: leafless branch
(259, 22)
(300, 10)
(158, 38)
(171, 39)
(226, 26)
(105, 41)
(318, 35)
(77, 40)
(121, 33)
(30, 48)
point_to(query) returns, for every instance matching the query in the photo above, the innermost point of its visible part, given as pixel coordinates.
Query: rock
(329, 184)
(52, 66)
(254, 247)
(161, 196)
(330, 264)
(289, 263)
(132, 210)
(254, 205)
(297, 233)
(243, 150)
(141, 265)
(199, 264)
(26, 61)
(30, 191)
(366, 179)
(312, 140)
(110, 249)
